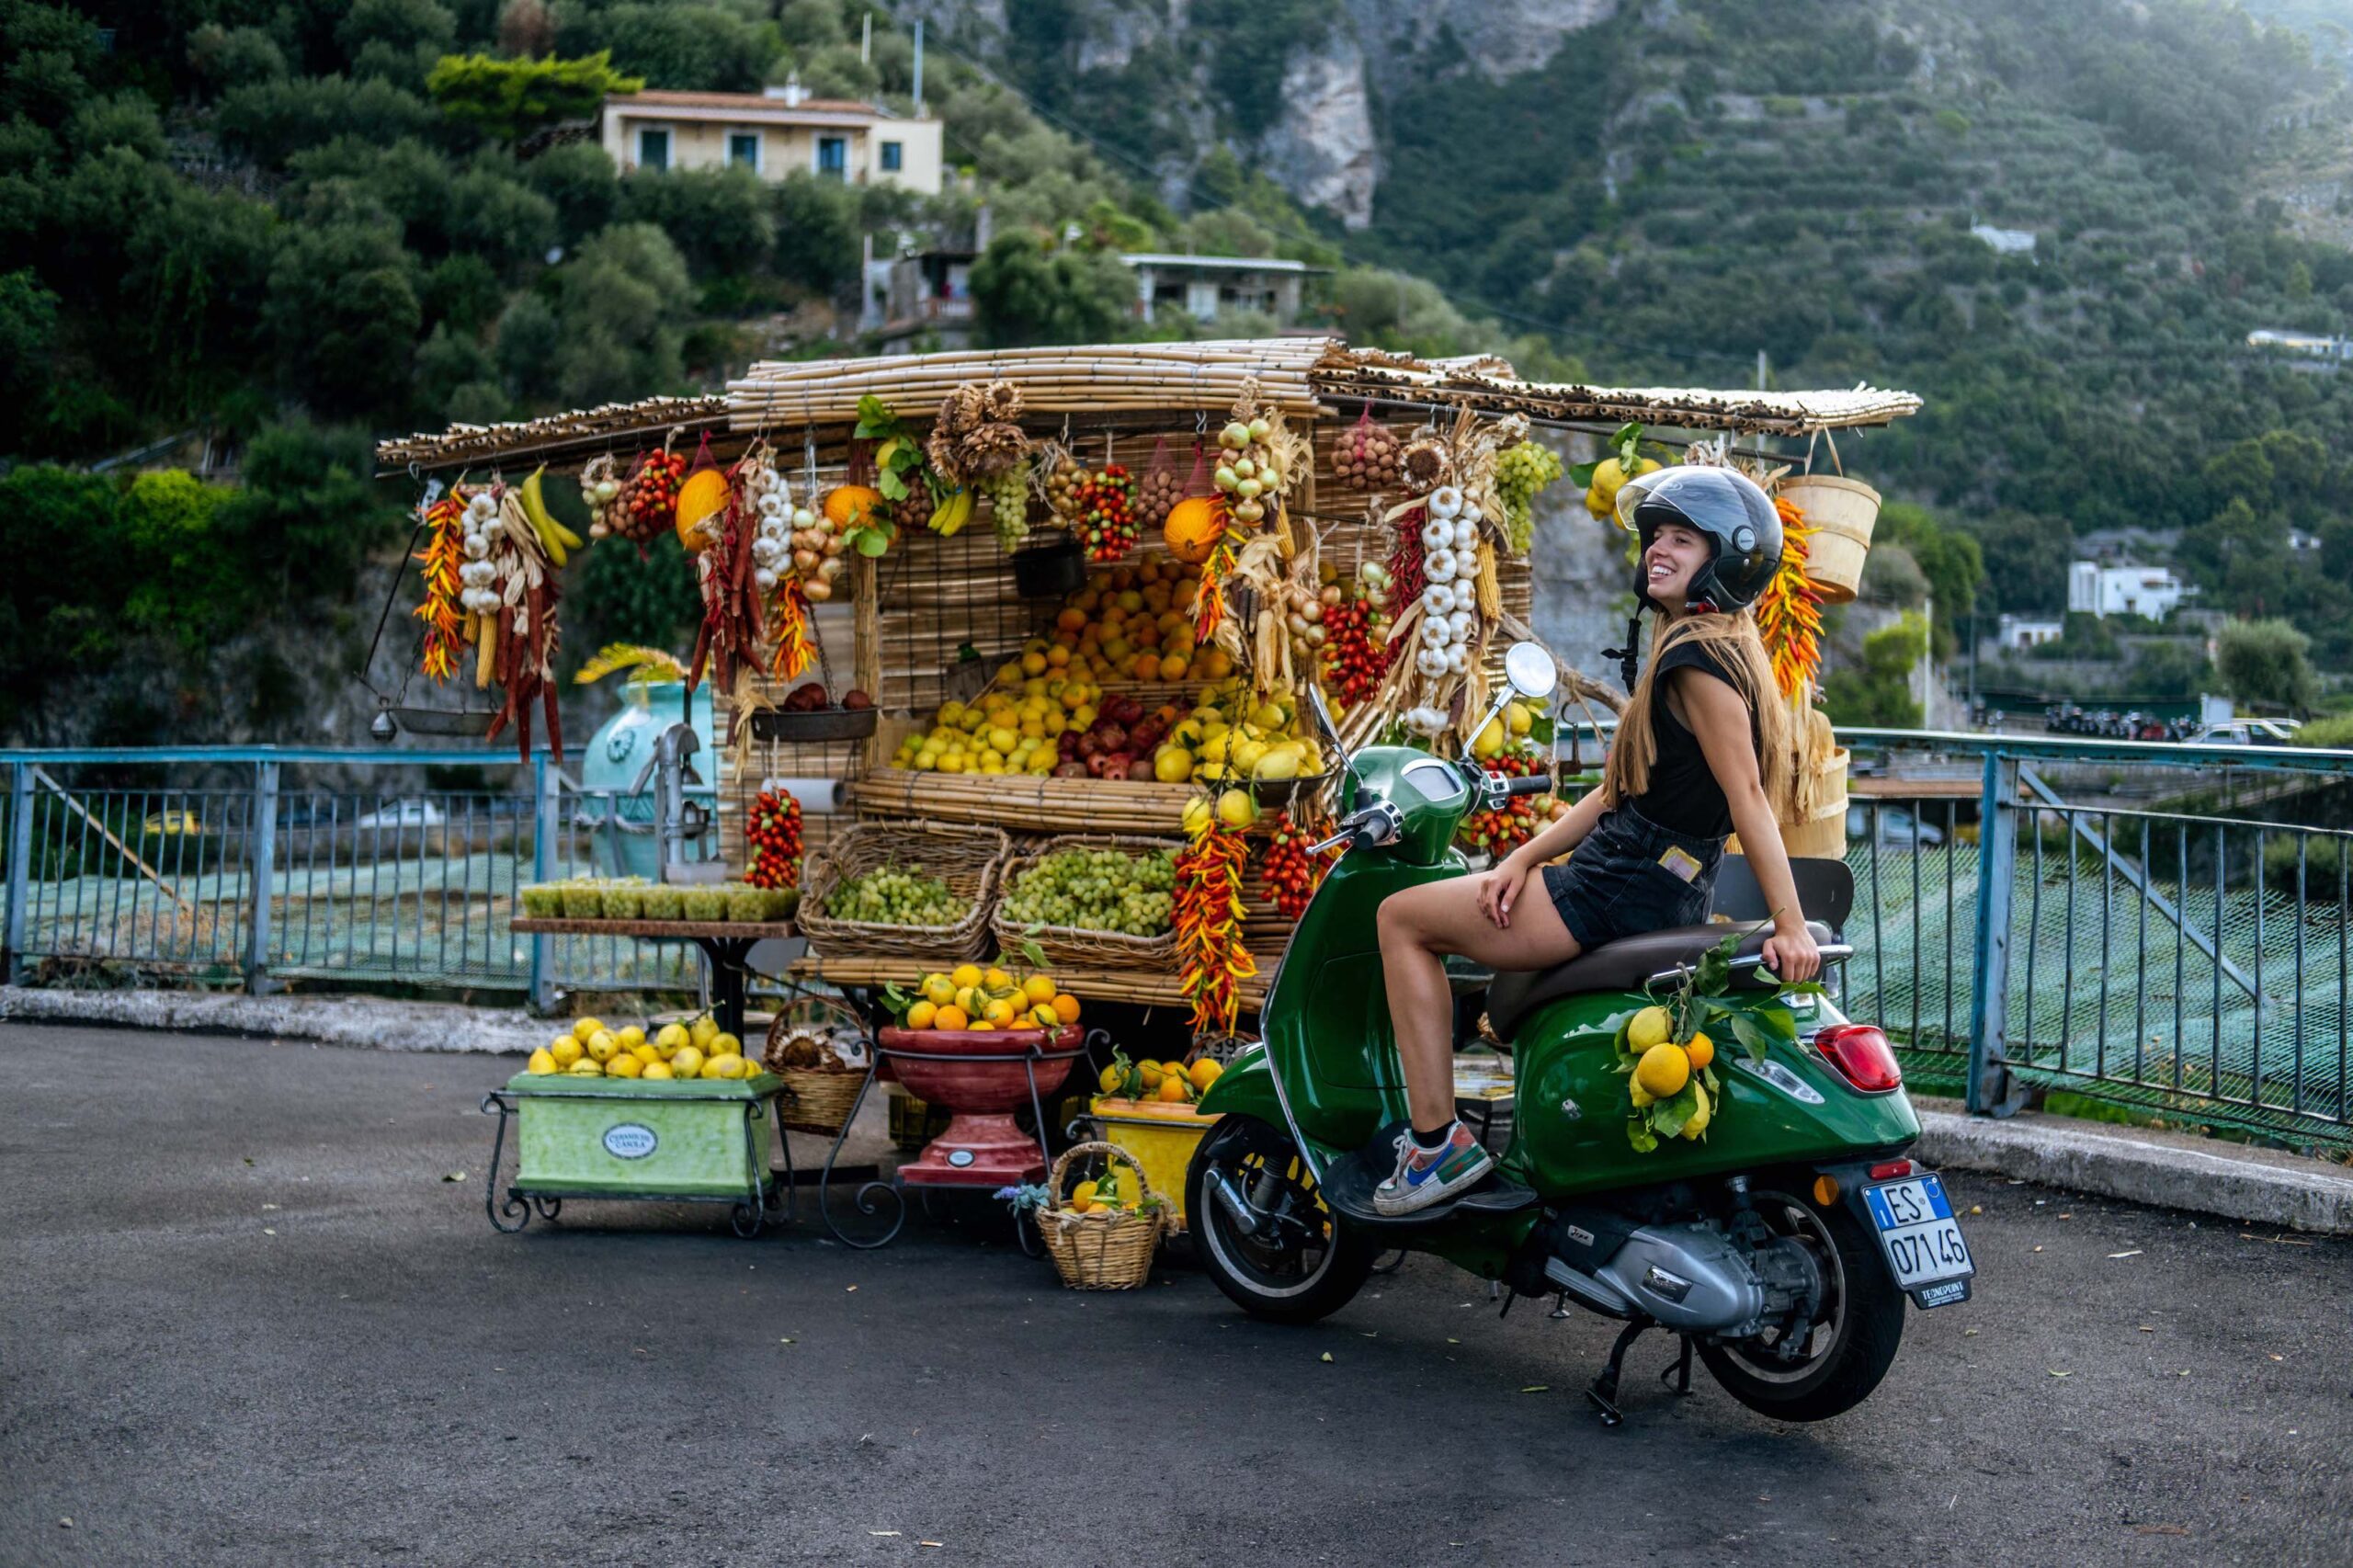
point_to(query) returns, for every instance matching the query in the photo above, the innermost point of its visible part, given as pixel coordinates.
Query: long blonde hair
(1735, 641)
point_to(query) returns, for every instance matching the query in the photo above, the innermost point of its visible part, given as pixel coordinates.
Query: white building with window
(2151, 591)
(773, 134)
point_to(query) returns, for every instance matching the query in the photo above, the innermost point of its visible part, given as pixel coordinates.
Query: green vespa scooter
(1779, 1249)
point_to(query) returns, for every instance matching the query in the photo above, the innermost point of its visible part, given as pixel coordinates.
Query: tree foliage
(2264, 662)
(510, 99)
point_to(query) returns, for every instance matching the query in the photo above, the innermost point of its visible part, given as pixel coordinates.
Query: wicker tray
(820, 724)
(1071, 944)
(970, 860)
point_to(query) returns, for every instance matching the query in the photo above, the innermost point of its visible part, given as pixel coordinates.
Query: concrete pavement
(249, 1322)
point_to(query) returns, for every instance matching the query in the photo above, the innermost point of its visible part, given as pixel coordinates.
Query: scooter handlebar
(1530, 784)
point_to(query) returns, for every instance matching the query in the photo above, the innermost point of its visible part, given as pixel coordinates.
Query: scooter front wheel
(1284, 1256)
(1835, 1361)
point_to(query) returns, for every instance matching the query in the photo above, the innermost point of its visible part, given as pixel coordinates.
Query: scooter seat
(1622, 965)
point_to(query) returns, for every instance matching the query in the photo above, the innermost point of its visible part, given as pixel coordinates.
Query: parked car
(160, 823)
(1898, 829)
(2249, 732)
(402, 813)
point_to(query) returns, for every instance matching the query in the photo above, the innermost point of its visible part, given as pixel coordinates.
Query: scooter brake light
(1890, 1170)
(1862, 1056)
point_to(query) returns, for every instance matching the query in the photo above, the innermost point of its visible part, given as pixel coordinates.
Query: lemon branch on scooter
(1668, 1057)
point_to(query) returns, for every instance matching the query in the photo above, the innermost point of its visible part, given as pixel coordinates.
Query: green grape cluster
(896, 895)
(1520, 472)
(1008, 498)
(1098, 890)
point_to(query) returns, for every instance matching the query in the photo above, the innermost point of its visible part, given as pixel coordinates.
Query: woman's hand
(1790, 954)
(1499, 889)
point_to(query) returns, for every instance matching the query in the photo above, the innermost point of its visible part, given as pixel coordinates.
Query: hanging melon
(701, 500)
(1193, 528)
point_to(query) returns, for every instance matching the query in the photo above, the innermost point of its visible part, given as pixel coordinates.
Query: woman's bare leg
(1418, 928)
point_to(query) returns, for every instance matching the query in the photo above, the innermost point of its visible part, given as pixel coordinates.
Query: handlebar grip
(1530, 784)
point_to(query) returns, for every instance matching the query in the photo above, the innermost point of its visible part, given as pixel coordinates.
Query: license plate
(1921, 1239)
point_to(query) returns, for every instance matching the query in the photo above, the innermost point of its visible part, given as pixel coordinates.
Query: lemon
(702, 1029)
(632, 1037)
(1044, 1015)
(1107, 1080)
(566, 1050)
(644, 1053)
(921, 1014)
(602, 1045)
(1150, 1072)
(938, 989)
(1237, 809)
(657, 1071)
(671, 1037)
(586, 1068)
(723, 1044)
(1700, 1050)
(996, 981)
(1700, 1118)
(624, 1065)
(1197, 817)
(1664, 1070)
(1082, 1197)
(1650, 1027)
(966, 976)
(1489, 742)
(1205, 1072)
(1518, 716)
(726, 1065)
(585, 1028)
(1641, 1097)
(687, 1063)
(1609, 477)
(1039, 988)
(541, 1062)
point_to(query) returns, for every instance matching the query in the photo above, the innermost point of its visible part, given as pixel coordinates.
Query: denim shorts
(1630, 875)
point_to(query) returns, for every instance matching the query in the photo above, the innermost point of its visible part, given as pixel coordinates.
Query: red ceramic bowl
(983, 1086)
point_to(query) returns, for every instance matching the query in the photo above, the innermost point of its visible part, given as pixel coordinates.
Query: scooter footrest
(1347, 1187)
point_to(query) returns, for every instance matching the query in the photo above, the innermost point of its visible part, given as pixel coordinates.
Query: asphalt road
(249, 1322)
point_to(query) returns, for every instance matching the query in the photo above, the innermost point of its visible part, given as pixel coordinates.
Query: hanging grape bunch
(1107, 521)
(1520, 472)
(1364, 457)
(1008, 497)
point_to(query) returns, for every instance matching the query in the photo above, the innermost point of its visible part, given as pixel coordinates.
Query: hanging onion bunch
(600, 487)
(1257, 458)
(1063, 475)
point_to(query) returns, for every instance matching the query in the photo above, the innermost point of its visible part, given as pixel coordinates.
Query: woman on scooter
(1703, 749)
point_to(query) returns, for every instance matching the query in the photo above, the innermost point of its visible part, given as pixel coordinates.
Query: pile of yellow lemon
(1003, 731)
(1665, 1066)
(1172, 1082)
(971, 998)
(696, 1049)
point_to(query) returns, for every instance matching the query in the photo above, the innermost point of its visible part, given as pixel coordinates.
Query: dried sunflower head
(990, 449)
(1001, 399)
(1424, 465)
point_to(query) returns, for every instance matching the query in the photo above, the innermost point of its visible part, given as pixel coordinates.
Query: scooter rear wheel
(1303, 1263)
(1847, 1350)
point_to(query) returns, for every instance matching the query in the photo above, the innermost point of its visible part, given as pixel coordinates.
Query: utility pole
(866, 39)
(919, 82)
(1763, 370)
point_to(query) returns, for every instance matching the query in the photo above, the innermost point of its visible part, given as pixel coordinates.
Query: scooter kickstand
(1677, 1378)
(1603, 1390)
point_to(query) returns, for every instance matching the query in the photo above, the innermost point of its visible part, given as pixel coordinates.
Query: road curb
(2082, 1156)
(367, 1022)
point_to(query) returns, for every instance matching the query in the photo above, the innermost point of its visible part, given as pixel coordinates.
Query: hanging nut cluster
(975, 436)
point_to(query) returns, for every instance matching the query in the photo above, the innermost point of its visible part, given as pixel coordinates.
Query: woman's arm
(1720, 719)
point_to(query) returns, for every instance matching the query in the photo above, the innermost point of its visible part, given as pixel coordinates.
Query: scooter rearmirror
(1324, 717)
(1529, 669)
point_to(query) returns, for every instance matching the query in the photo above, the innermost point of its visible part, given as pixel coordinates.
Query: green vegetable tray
(696, 1140)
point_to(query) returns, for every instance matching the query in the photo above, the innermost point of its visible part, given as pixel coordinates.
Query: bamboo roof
(1306, 377)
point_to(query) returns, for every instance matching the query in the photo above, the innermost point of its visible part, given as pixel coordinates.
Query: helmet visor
(1706, 497)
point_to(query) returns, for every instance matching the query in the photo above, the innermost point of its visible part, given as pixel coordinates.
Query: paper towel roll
(818, 796)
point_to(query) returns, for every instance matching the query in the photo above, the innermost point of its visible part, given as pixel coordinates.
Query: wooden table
(725, 944)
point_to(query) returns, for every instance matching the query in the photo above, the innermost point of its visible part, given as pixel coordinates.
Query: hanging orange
(847, 505)
(1193, 528)
(701, 499)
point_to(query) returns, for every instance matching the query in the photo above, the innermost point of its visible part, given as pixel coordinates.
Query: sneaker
(1425, 1176)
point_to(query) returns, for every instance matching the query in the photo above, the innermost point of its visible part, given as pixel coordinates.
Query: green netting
(2146, 999)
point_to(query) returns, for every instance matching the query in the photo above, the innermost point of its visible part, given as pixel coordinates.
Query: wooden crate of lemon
(617, 1112)
(1146, 1110)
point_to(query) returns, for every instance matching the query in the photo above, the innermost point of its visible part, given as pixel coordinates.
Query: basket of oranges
(972, 997)
(1101, 1232)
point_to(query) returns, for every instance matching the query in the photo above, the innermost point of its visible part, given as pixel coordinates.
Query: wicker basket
(1072, 944)
(1107, 1249)
(970, 860)
(814, 1101)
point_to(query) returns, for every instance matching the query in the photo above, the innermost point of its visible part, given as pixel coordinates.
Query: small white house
(2151, 591)
(2005, 241)
(773, 134)
(2017, 633)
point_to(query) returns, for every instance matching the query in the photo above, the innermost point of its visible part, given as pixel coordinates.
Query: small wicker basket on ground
(1105, 1249)
(1070, 945)
(816, 1100)
(969, 859)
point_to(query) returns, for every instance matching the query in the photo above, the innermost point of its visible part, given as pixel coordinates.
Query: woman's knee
(1397, 922)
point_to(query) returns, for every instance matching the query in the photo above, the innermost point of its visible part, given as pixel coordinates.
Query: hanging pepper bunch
(1788, 612)
(1406, 579)
(1211, 959)
(786, 613)
(1501, 831)
(1290, 875)
(1108, 522)
(1355, 650)
(1209, 594)
(444, 617)
(726, 574)
(773, 831)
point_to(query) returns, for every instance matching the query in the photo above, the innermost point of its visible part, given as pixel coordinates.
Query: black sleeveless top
(1684, 796)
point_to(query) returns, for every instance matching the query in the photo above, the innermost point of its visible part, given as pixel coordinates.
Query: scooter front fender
(1246, 1087)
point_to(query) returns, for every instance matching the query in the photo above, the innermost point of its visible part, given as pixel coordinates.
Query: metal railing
(254, 877)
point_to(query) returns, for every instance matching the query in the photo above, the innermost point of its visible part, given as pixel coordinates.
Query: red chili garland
(1212, 961)
(772, 830)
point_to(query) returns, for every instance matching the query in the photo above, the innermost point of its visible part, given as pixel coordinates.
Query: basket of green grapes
(904, 890)
(1092, 899)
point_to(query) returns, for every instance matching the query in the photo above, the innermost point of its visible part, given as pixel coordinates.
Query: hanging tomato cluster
(1211, 963)
(1106, 500)
(1502, 830)
(1290, 874)
(773, 831)
(650, 504)
(1355, 650)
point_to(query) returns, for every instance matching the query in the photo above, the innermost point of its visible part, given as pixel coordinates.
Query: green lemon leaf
(873, 543)
(1640, 1136)
(1669, 1116)
(1751, 1035)
(1582, 475)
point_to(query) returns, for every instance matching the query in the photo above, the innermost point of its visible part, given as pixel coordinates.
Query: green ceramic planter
(627, 1138)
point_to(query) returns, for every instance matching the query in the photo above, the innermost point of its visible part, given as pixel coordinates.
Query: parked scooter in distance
(1779, 1249)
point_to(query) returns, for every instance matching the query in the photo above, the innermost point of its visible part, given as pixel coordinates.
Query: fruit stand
(1087, 593)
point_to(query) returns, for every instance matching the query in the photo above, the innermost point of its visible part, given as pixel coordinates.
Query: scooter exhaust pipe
(1237, 1208)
